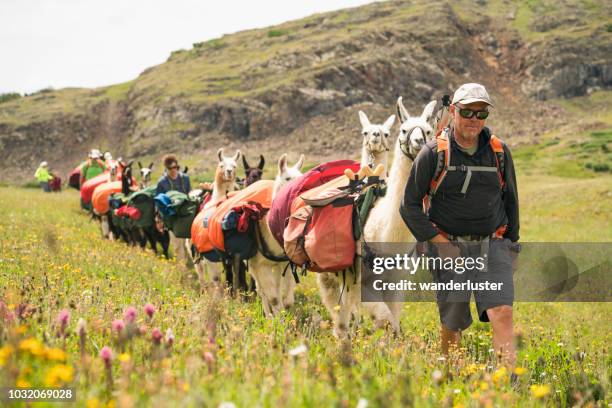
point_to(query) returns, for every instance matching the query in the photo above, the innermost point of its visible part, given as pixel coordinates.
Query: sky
(91, 43)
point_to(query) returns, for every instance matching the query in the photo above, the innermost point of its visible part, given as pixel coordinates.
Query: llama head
(226, 169)
(126, 177)
(375, 137)
(145, 173)
(113, 167)
(414, 131)
(253, 174)
(287, 173)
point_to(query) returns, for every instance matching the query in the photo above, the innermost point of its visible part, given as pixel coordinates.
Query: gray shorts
(454, 306)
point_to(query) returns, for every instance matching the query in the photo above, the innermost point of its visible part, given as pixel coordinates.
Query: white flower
(362, 403)
(301, 349)
(227, 404)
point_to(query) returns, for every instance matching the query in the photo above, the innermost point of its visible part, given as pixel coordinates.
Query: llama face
(253, 174)
(145, 173)
(227, 166)
(113, 167)
(414, 131)
(286, 173)
(375, 137)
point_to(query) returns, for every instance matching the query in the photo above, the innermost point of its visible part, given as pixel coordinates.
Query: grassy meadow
(198, 347)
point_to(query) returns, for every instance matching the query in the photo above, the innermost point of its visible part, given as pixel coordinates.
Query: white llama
(384, 223)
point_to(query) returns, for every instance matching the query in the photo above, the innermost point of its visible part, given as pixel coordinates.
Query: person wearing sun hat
(43, 177)
(93, 166)
(471, 210)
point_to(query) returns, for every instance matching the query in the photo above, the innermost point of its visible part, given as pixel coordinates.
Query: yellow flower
(56, 354)
(540, 390)
(32, 346)
(93, 403)
(520, 370)
(484, 386)
(58, 374)
(5, 353)
(21, 383)
(124, 357)
(500, 375)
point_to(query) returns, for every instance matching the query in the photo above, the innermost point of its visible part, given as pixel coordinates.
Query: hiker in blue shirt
(173, 179)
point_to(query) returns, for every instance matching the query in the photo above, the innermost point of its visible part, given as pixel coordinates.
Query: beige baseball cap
(470, 93)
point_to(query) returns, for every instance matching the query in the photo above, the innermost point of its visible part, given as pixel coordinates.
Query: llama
(145, 175)
(252, 174)
(275, 290)
(375, 146)
(225, 181)
(374, 151)
(414, 132)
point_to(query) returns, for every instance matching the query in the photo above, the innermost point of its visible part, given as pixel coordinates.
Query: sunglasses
(172, 167)
(468, 113)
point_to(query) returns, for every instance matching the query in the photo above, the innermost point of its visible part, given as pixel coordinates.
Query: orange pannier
(101, 194)
(259, 192)
(200, 237)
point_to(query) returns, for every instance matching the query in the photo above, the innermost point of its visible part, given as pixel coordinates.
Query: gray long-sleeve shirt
(484, 207)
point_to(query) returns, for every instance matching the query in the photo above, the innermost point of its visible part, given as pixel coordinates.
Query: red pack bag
(320, 235)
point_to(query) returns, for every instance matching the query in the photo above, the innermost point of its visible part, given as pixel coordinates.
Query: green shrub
(277, 33)
(5, 97)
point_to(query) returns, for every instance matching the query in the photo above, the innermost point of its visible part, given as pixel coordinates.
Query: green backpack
(143, 201)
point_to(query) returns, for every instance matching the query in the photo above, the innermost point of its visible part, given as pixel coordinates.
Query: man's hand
(446, 249)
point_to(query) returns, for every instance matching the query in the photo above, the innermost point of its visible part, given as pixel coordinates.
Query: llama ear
(363, 118)
(402, 113)
(220, 154)
(130, 163)
(237, 155)
(300, 162)
(428, 111)
(139, 164)
(151, 166)
(389, 122)
(245, 164)
(282, 163)
(262, 162)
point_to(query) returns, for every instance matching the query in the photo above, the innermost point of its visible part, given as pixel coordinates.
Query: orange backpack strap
(442, 162)
(498, 150)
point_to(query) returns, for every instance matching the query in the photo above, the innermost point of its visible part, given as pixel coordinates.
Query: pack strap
(469, 170)
(265, 250)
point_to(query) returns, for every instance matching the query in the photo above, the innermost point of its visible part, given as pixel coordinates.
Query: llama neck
(396, 183)
(375, 159)
(221, 188)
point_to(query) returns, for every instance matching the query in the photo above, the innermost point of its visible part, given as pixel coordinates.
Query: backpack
(279, 212)
(232, 241)
(320, 236)
(443, 166)
(178, 211)
(101, 195)
(143, 201)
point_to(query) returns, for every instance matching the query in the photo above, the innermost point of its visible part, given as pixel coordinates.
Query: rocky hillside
(297, 86)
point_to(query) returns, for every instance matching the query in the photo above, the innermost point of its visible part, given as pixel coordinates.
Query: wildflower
(130, 315)
(142, 330)
(93, 403)
(437, 376)
(59, 374)
(520, 370)
(5, 353)
(106, 354)
(32, 346)
(63, 318)
(82, 331)
(56, 354)
(500, 375)
(210, 360)
(21, 383)
(301, 349)
(118, 325)
(124, 357)
(540, 390)
(169, 337)
(149, 309)
(156, 335)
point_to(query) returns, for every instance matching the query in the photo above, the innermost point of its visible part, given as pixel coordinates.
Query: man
(173, 179)
(93, 167)
(476, 201)
(43, 177)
